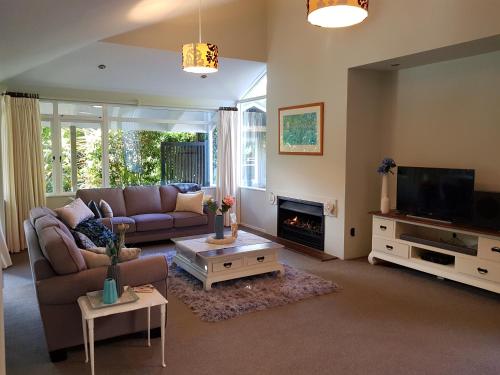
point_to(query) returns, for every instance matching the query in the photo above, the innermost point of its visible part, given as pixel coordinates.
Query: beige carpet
(386, 320)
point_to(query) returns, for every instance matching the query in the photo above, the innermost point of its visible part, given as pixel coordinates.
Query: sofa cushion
(51, 221)
(168, 195)
(82, 241)
(74, 213)
(39, 212)
(114, 197)
(188, 219)
(106, 209)
(94, 207)
(147, 222)
(61, 251)
(96, 231)
(119, 220)
(190, 202)
(142, 200)
(186, 187)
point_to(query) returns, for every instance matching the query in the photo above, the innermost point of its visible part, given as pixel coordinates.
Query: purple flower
(386, 166)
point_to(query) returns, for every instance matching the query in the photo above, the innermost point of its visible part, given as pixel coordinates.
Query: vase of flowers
(113, 249)
(384, 169)
(219, 211)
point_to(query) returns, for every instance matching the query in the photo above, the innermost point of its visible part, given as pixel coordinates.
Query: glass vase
(219, 227)
(114, 273)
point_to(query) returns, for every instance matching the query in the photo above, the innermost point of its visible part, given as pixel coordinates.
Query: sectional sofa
(150, 212)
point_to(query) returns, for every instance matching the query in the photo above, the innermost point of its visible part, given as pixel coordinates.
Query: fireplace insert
(302, 222)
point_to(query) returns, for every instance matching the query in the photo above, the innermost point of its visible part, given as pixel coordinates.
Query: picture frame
(300, 129)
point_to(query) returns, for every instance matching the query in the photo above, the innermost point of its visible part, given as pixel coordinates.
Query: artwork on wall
(301, 129)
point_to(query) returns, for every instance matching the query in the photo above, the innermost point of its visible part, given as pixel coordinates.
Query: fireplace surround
(302, 222)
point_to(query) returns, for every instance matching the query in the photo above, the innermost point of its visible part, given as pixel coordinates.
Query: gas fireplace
(302, 222)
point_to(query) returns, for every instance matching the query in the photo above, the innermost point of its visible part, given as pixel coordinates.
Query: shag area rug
(232, 298)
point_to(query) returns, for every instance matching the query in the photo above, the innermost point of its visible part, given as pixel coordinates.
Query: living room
(416, 82)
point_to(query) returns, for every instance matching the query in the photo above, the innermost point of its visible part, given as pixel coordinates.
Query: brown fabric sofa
(51, 247)
(149, 211)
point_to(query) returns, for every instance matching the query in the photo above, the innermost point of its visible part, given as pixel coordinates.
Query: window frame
(55, 119)
(240, 103)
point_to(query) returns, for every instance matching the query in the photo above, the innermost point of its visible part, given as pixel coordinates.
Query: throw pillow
(93, 260)
(74, 213)
(126, 254)
(190, 202)
(97, 232)
(95, 209)
(82, 241)
(106, 209)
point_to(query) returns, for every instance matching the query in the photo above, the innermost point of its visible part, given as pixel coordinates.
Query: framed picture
(301, 129)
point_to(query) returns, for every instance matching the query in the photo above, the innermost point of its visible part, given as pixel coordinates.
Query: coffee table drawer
(227, 265)
(258, 259)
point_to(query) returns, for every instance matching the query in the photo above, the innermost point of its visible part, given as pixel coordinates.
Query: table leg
(84, 326)
(91, 344)
(149, 325)
(163, 313)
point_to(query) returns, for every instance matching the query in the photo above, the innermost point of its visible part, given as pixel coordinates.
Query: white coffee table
(146, 301)
(209, 263)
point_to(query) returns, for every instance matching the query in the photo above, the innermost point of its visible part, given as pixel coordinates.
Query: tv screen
(438, 193)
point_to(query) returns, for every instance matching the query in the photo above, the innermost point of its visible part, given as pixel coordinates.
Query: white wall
(252, 202)
(308, 64)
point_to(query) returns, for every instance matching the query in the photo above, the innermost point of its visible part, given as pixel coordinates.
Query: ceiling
(58, 43)
(142, 71)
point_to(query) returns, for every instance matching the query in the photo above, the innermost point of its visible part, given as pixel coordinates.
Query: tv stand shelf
(466, 254)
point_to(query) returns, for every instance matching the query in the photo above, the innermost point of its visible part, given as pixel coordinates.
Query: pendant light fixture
(200, 58)
(336, 13)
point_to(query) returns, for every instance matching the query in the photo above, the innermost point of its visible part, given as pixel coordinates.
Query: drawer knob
(495, 249)
(260, 259)
(388, 247)
(228, 264)
(482, 271)
(383, 227)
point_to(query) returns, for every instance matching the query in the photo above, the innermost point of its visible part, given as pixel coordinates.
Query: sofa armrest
(67, 288)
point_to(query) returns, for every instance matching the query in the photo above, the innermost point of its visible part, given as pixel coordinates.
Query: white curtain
(227, 158)
(22, 165)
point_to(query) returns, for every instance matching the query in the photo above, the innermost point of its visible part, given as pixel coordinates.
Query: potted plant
(227, 202)
(384, 169)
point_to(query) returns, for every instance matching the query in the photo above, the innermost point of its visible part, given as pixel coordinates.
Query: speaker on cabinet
(486, 210)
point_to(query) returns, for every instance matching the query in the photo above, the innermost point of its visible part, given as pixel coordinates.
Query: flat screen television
(437, 193)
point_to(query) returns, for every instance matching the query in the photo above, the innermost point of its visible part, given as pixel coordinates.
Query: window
(253, 127)
(98, 145)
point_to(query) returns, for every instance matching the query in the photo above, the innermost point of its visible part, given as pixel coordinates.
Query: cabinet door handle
(482, 271)
(388, 247)
(260, 259)
(383, 227)
(228, 264)
(495, 249)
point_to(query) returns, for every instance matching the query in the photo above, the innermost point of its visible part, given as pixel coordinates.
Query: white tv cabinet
(424, 238)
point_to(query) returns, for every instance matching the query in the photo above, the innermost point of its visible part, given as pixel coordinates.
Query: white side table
(146, 301)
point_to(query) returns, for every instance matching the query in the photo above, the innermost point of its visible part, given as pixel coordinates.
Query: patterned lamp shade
(336, 13)
(200, 58)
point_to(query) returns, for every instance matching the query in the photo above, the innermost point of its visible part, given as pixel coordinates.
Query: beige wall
(448, 115)
(308, 64)
(368, 96)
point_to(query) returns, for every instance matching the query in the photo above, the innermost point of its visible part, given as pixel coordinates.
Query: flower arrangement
(386, 166)
(227, 202)
(113, 248)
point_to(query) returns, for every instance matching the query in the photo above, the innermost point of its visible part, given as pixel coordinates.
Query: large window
(94, 145)
(253, 127)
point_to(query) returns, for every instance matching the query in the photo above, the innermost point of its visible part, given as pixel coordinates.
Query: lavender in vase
(384, 169)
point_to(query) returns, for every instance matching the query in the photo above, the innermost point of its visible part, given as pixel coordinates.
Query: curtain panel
(22, 165)
(227, 158)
